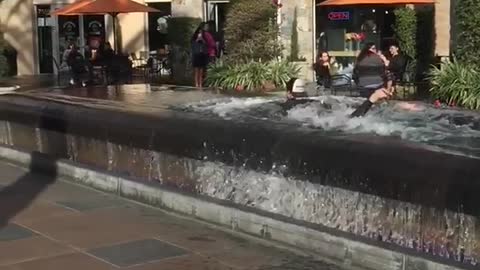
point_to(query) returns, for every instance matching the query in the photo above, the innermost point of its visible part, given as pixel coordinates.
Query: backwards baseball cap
(298, 86)
(295, 85)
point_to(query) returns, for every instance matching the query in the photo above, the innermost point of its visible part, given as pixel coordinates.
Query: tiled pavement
(46, 224)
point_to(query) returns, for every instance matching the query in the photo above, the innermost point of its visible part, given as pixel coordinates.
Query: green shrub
(280, 72)
(251, 31)
(425, 41)
(405, 33)
(181, 29)
(294, 52)
(3, 59)
(457, 83)
(468, 29)
(250, 76)
(3, 66)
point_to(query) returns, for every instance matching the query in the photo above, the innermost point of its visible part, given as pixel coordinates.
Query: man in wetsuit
(296, 96)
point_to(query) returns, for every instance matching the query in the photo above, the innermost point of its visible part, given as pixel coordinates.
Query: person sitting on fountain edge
(370, 69)
(375, 81)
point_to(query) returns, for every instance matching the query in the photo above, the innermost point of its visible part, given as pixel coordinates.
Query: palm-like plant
(280, 72)
(457, 83)
(250, 76)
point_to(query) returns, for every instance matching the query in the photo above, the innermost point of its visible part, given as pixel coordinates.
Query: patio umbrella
(373, 2)
(112, 7)
(66, 9)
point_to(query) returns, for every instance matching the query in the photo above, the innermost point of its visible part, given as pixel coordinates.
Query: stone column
(187, 8)
(442, 28)
(17, 23)
(133, 29)
(305, 30)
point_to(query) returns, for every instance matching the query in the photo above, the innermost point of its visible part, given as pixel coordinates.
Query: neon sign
(339, 16)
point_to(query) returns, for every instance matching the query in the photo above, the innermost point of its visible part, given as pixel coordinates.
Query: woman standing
(199, 55)
(211, 41)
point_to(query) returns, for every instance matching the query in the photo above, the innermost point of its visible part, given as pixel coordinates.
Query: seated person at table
(108, 53)
(396, 63)
(325, 67)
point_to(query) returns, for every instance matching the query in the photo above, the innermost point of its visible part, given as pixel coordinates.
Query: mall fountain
(406, 181)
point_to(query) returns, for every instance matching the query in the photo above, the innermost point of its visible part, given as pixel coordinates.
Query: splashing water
(362, 214)
(451, 129)
(228, 107)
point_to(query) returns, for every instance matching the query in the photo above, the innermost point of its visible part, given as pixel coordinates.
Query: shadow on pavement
(42, 172)
(19, 195)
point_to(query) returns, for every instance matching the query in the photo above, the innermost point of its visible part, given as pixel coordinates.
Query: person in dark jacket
(77, 66)
(369, 70)
(396, 63)
(324, 67)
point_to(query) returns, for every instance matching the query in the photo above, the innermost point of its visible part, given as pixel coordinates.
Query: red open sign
(339, 16)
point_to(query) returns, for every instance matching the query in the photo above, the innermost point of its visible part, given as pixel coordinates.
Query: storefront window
(343, 31)
(157, 26)
(94, 30)
(68, 31)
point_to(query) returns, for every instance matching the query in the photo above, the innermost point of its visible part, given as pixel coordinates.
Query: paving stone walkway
(49, 224)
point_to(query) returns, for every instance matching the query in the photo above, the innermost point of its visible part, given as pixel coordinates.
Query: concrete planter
(182, 72)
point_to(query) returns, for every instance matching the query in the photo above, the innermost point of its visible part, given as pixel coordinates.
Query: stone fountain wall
(376, 190)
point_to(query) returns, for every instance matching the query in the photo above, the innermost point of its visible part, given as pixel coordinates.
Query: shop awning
(112, 7)
(374, 2)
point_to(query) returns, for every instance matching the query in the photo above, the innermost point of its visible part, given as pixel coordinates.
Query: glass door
(215, 15)
(44, 37)
(215, 12)
(93, 30)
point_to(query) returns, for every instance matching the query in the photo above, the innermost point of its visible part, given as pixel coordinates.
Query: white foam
(456, 129)
(223, 107)
(9, 89)
(338, 119)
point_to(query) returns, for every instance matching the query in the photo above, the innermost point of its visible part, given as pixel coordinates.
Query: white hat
(298, 86)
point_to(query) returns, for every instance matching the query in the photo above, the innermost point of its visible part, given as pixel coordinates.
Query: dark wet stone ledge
(381, 166)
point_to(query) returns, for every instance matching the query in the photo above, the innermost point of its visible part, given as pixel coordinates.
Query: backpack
(199, 48)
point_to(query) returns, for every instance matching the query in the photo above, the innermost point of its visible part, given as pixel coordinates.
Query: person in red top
(204, 50)
(211, 43)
